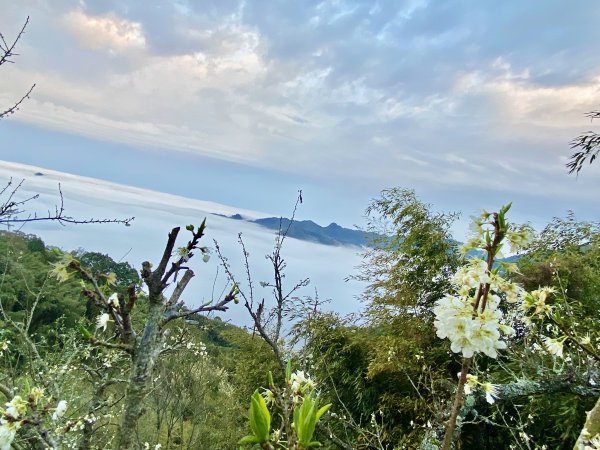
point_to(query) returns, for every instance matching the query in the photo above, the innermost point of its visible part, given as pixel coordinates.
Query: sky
(471, 103)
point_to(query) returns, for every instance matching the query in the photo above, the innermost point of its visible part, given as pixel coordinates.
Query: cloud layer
(157, 213)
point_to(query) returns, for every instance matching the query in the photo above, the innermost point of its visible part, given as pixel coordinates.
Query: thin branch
(223, 305)
(7, 49)
(14, 108)
(11, 210)
(124, 347)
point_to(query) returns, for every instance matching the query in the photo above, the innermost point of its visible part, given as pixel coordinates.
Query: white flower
(470, 384)
(183, 253)
(491, 392)
(114, 300)
(60, 410)
(554, 346)
(102, 321)
(7, 435)
(268, 396)
(16, 407)
(301, 381)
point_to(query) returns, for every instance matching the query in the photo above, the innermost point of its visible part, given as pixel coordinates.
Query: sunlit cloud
(110, 32)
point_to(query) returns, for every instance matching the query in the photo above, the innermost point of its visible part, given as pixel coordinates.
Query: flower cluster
(534, 302)
(474, 330)
(300, 384)
(470, 317)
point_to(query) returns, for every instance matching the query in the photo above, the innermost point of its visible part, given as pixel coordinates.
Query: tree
(411, 259)
(145, 348)
(587, 147)
(386, 373)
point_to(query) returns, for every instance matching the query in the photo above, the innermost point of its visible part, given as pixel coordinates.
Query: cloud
(110, 32)
(426, 94)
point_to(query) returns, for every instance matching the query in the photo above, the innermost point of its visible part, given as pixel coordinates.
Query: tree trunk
(143, 361)
(590, 429)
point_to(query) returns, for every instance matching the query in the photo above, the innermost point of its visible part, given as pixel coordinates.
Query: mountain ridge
(333, 234)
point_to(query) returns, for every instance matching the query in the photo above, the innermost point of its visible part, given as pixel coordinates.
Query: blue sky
(471, 103)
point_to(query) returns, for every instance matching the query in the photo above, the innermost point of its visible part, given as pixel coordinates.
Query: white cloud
(110, 32)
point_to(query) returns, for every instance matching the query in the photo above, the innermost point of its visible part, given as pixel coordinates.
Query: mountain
(307, 230)
(333, 234)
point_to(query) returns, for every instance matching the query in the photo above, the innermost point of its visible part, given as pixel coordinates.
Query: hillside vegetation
(74, 327)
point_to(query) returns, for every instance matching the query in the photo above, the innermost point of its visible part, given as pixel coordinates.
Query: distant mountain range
(333, 234)
(307, 230)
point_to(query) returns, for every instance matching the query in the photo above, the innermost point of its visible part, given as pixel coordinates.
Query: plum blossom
(61, 407)
(7, 434)
(491, 392)
(113, 300)
(469, 331)
(102, 321)
(554, 346)
(16, 407)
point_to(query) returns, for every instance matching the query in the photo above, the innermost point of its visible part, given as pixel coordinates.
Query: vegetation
(75, 373)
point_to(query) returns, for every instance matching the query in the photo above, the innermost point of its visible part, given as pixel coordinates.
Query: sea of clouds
(157, 213)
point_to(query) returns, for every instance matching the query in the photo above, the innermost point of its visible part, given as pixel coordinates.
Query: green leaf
(202, 227)
(314, 444)
(305, 419)
(270, 379)
(190, 228)
(323, 410)
(260, 418)
(250, 439)
(85, 332)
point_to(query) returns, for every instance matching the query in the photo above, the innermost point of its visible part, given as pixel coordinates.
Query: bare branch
(223, 305)
(6, 52)
(187, 276)
(12, 210)
(14, 108)
(124, 347)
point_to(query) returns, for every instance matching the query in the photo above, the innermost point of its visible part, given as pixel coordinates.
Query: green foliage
(412, 258)
(306, 417)
(101, 263)
(28, 294)
(260, 421)
(586, 146)
(384, 378)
